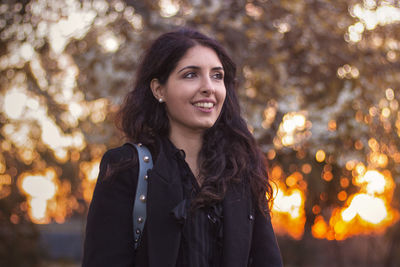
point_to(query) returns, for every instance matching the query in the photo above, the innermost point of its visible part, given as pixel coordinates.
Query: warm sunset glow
(48, 198)
(320, 228)
(291, 130)
(289, 204)
(374, 182)
(370, 16)
(109, 42)
(269, 114)
(288, 214)
(373, 16)
(320, 155)
(325, 111)
(366, 212)
(369, 208)
(348, 72)
(5, 185)
(89, 171)
(14, 104)
(168, 8)
(75, 25)
(39, 188)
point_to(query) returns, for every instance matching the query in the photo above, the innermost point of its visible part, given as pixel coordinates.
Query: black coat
(248, 239)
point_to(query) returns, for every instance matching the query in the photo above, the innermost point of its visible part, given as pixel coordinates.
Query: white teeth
(204, 104)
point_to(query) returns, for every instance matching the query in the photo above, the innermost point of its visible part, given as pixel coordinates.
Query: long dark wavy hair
(229, 153)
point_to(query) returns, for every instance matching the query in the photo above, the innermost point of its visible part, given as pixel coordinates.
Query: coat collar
(166, 166)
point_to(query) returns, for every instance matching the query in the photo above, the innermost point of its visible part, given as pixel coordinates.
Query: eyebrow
(197, 68)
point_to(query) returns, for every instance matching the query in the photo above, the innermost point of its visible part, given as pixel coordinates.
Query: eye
(189, 75)
(218, 76)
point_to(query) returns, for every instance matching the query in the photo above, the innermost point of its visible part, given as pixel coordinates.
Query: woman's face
(194, 92)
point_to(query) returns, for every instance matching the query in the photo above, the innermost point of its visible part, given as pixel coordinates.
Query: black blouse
(201, 243)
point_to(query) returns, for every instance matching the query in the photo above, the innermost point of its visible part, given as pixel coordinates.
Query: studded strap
(139, 206)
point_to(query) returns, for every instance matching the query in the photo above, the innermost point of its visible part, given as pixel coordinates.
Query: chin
(209, 126)
(205, 126)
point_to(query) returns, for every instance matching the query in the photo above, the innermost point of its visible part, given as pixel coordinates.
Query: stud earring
(160, 100)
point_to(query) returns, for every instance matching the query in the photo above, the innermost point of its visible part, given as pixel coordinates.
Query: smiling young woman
(194, 95)
(194, 92)
(208, 192)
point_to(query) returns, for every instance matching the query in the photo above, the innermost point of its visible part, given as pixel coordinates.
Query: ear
(157, 89)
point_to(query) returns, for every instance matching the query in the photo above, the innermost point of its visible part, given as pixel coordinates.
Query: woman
(206, 202)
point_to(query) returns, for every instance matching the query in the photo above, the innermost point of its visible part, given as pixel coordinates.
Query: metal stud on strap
(139, 206)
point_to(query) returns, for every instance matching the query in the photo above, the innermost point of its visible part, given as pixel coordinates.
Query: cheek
(176, 106)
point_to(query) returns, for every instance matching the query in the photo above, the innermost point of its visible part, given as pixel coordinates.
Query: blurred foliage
(65, 66)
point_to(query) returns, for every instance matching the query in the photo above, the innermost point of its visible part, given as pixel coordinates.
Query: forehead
(200, 56)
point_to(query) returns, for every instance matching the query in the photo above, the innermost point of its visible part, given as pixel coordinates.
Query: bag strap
(139, 206)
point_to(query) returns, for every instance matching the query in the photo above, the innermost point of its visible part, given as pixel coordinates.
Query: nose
(207, 87)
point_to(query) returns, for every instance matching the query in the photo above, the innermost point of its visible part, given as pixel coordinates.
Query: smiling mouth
(204, 104)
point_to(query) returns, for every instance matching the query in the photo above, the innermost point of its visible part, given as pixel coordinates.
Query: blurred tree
(317, 82)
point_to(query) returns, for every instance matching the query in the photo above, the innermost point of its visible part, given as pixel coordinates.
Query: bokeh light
(317, 89)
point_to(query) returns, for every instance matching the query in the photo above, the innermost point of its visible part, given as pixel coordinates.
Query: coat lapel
(164, 193)
(238, 225)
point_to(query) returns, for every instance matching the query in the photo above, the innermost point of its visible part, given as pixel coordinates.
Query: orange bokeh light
(365, 212)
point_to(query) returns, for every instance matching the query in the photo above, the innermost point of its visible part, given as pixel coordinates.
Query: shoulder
(118, 161)
(120, 154)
